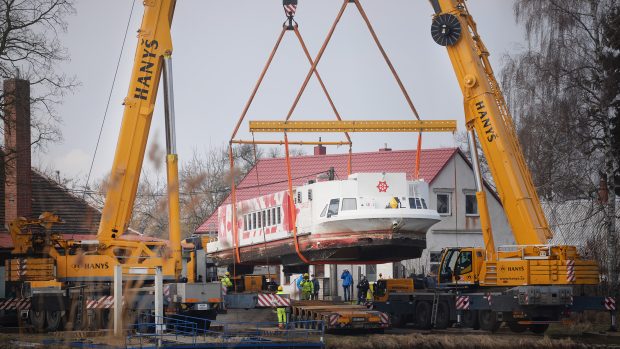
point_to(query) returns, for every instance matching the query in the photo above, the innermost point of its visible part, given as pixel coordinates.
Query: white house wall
(457, 229)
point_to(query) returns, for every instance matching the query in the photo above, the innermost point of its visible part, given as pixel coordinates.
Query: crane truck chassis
(520, 308)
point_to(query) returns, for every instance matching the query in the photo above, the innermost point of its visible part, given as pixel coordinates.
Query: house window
(309, 194)
(319, 270)
(245, 222)
(471, 205)
(268, 212)
(260, 222)
(371, 272)
(264, 218)
(349, 204)
(254, 220)
(443, 204)
(435, 256)
(279, 214)
(299, 197)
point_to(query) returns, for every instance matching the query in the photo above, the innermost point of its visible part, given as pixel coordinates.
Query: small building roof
(269, 175)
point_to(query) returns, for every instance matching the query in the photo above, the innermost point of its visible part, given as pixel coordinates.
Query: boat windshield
(417, 203)
(333, 207)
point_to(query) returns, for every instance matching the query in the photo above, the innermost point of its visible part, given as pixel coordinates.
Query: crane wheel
(423, 315)
(488, 320)
(539, 328)
(443, 316)
(37, 319)
(469, 319)
(54, 320)
(516, 327)
(398, 320)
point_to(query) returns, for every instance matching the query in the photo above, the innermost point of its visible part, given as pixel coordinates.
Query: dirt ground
(558, 336)
(581, 335)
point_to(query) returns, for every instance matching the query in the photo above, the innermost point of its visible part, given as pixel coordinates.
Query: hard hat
(280, 288)
(306, 275)
(227, 273)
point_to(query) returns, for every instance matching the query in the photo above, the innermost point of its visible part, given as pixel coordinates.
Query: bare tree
(564, 93)
(30, 49)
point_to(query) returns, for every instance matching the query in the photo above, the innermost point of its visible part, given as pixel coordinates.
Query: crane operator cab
(460, 266)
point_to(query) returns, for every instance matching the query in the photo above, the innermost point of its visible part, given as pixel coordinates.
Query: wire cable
(107, 106)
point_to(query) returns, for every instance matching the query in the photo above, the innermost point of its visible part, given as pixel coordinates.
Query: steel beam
(241, 141)
(354, 126)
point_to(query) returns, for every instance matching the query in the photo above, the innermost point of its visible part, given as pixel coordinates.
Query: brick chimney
(320, 149)
(18, 183)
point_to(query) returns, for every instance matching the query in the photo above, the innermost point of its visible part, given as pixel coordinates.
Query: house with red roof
(452, 194)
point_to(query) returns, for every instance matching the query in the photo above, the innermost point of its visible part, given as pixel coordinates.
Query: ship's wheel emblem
(382, 186)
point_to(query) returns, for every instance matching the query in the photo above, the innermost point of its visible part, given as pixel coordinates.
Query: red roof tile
(272, 175)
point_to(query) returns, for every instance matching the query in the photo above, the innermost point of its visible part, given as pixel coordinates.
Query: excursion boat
(366, 218)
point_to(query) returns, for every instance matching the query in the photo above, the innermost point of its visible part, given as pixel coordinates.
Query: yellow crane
(532, 261)
(59, 276)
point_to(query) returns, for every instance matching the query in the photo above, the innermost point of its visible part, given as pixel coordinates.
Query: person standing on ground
(307, 288)
(362, 290)
(226, 282)
(347, 284)
(281, 310)
(316, 287)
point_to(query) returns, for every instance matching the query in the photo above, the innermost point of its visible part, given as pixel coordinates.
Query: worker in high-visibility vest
(281, 310)
(226, 282)
(307, 288)
(371, 292)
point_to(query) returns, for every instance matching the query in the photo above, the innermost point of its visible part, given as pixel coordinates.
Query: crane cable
(385, 57)
(107, 106)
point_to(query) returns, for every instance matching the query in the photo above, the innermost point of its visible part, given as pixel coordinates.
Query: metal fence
(186, 331)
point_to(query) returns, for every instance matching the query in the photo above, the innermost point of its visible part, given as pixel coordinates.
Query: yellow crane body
(532, 261)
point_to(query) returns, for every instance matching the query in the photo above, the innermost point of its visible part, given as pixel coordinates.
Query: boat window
(299, 197)
(324, 210)
(309, 194)
(333, 207)
(415, 203)
(424, 204)
(349, 204)
(278, 211)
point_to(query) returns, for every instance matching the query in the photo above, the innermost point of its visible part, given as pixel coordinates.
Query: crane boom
(487, 114)
(154, 41)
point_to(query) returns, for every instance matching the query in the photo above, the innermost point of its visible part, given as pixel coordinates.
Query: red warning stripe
(462, 302)
(610, 303)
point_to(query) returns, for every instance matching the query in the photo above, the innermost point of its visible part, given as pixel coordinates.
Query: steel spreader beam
(354, 126)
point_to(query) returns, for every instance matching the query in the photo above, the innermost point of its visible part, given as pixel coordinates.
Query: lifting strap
(291, 204)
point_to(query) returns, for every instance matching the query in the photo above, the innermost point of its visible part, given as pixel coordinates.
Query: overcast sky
(220, 48)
